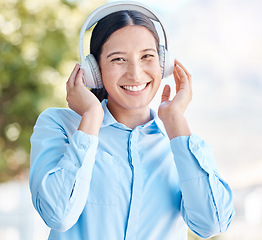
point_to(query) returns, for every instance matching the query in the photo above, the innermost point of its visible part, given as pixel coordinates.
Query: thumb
(166, 93)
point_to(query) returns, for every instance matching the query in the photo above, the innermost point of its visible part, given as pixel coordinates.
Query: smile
(135, 88)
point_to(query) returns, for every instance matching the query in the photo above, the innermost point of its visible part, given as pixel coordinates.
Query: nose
(134, 71)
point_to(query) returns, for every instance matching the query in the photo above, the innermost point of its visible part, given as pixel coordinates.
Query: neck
(130, 117)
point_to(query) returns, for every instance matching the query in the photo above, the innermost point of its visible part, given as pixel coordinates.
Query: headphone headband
(109, 8)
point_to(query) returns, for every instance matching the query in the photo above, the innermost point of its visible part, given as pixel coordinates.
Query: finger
(181, 73)
(181, 78)
(75, 70)
(166, 93)
(176, 75)
(189, 76)
(183, 82)
(71, 79)
(184, 69)
(190, 80)
(79, 77)
(177, 79)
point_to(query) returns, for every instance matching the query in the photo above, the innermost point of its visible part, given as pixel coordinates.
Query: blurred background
(219, 42)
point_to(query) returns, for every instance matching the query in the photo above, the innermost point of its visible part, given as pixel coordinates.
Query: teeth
(135, 88)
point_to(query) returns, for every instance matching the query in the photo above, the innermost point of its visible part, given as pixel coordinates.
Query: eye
(118, 59)
(147, 56)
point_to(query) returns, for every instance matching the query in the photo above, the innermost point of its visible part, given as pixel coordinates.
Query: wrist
(176, 125)
(91, 121)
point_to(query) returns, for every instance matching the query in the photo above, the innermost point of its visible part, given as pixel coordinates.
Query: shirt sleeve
(60, 171)
(206, 203)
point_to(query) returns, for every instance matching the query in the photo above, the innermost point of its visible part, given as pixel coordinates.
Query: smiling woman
(109, 25)
(116, 169)
(130, 71)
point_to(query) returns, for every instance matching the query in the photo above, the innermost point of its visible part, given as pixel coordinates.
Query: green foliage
(39, 47)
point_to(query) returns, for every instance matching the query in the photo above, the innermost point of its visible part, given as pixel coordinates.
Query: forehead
(131, 36)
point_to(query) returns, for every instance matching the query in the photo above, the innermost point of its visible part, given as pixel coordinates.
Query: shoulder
(61, 116)
(59, 112)
(55, 112)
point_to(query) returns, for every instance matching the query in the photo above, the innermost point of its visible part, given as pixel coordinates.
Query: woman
(114, 170)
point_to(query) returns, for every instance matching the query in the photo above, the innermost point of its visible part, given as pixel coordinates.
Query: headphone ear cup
(167, 61)
(92, 74)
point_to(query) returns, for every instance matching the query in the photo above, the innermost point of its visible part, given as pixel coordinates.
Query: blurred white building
(18, 219)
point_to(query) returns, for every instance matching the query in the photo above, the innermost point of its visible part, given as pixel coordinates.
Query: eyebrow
(119, 52)
(113, 53)
(148, 49)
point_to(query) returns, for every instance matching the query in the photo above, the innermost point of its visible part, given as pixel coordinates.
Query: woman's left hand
(171, 112)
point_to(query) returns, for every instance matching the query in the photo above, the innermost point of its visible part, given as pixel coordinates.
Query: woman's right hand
(84, 102)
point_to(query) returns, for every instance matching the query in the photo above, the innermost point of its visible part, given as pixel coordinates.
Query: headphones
(92, 75)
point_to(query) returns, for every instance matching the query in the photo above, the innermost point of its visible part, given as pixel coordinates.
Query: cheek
(107, 74)
(157, 75)
(155, 71)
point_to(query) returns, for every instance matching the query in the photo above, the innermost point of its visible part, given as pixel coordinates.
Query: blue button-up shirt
(125, 184)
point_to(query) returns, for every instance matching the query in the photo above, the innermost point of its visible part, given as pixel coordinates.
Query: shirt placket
(136, 186)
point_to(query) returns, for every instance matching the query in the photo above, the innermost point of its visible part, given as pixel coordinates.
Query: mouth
(135, 88)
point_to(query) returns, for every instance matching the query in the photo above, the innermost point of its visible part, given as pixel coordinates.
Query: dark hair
(107, 26)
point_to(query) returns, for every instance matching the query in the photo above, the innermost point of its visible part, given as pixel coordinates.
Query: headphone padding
(92, 75)
(166, 61)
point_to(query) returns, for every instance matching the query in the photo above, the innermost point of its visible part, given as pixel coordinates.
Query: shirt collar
(110, 120)
(108, 117)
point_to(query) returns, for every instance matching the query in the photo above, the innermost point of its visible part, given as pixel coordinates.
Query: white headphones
(92, 75)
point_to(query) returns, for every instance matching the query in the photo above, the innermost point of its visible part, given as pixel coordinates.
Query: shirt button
(195, 147)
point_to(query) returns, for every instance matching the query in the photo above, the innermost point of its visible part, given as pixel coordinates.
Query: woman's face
(130, 67)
